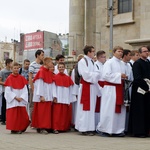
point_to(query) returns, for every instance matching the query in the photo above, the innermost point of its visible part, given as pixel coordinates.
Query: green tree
(66, 50)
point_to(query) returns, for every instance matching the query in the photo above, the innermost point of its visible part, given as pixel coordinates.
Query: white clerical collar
(87, 57)
(116, 58)
(99, 63)
(132, 61)
(124, 62)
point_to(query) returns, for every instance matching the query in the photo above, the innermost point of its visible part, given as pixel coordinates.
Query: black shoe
(38, 130)
(90, 133)
(14, 132)
(84, 133)
(140, 135)
(3, 123)
(103, 134)
(118, 135)
(48, 130)
(23, 130)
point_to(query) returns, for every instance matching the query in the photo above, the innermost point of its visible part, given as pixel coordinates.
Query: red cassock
(42, 111)
(17, 118)
(98, 100)
(42, 115)
(61, 116)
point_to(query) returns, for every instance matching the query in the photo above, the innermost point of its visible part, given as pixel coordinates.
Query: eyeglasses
(102, 56)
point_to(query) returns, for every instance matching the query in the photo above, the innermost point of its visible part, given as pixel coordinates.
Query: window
(124, 6)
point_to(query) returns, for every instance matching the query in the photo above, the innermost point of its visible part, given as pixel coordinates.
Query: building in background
(47, 41)
(89, 24)
(65, 43)
(29, 43)
(10, 50)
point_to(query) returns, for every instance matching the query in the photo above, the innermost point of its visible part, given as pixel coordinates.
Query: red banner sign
(34, 40)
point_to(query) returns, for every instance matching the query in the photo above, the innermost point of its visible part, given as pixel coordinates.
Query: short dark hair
(87, 49)
(59, 56)
(38, 52)
(8, 61)
(26, 60)
(140, 49)
(99, 53)
(61, 63)
(126, 52)
(116, 48)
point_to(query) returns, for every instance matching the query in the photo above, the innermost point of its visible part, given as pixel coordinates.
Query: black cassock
(139, 120)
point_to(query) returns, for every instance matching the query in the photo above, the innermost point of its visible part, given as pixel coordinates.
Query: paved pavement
(30, 140)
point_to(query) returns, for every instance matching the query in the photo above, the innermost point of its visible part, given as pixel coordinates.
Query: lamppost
(110, 8)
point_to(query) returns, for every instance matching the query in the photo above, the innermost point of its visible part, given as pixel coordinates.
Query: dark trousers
(3, 110)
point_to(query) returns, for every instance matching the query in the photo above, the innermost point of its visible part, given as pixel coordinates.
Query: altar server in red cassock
(16, 95)
(63, 97)
(42, 97)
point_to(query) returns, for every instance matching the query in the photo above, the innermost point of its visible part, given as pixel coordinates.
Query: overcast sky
(25, 16)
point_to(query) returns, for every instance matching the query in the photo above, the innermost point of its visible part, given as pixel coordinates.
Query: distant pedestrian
(4, 73)
(24, 71)
(33, 69)
(60, 58)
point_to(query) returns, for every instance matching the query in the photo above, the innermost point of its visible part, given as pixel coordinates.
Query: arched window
(124, 6)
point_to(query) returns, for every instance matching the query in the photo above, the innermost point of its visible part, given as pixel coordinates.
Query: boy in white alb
(16, 95)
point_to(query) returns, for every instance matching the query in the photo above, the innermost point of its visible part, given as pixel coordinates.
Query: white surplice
(98, 67)
(63, 94)
(85, 120)
(75, 89)
(44, 89)
(11, 93)
(111, 122)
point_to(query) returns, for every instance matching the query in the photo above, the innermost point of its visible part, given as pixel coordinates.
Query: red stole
(62, 79)
(119, 95)
(16, 81)
(45, 74)
(85, 96)
(98, 100)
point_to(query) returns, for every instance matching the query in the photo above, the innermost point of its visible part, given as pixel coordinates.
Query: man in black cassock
(139, 124)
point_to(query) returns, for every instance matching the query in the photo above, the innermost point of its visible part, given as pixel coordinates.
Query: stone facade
(89, 25)
(10, 50)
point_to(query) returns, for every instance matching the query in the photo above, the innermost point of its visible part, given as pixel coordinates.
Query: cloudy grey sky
(25, 16)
